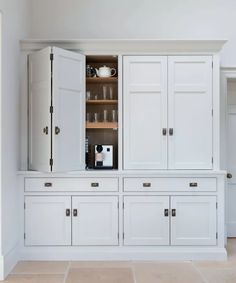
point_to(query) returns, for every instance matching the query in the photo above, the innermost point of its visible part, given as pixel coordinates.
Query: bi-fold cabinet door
(176, 221)
(56, 110)
(167, 112)
(66, 220)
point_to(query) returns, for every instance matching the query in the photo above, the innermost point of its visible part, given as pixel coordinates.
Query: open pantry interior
(101, 110)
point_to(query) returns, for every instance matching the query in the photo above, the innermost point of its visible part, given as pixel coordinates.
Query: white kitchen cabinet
(47, 221)
(95, 220)
(145, 117)
(190, 112)
(146, 220)
(193, 220)
(180, 129)
(56, 110)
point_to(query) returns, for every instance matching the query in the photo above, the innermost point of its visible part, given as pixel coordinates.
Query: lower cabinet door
(193, 220)
(95, 220)
(47, 220)
(146, 220)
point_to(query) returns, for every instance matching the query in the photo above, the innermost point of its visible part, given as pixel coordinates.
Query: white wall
(15, 25)
(183, 19)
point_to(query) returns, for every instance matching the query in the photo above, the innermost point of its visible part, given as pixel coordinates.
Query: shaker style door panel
(193, 220)
(190, 112)
(146, 220)
(145, 112)
(68, 132)
(95, 220)
(39, 115)
(47, 221)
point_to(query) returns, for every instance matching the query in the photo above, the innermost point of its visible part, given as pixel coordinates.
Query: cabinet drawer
(170, 184)
(71, 184)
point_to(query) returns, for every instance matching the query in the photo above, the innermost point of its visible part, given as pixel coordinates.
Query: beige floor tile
(100, 275)
(35, 279)
(40, 267)
(219, 275)
(100, 264)
(166, 272)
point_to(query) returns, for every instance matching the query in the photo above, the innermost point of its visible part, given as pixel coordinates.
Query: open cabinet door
(39, 110)
(68, 100)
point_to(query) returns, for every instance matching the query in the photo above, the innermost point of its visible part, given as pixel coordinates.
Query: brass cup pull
(171, 131)
(94, 185)
(193, 184)
(173, 212)
(67, 212)
(45, 130)
(166, 212)
(229, 175)
(164, 131)
(57, 130)
(47, 185)
(146, 185)
(75, 212)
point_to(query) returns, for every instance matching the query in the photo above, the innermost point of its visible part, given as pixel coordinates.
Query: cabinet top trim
(125, 46)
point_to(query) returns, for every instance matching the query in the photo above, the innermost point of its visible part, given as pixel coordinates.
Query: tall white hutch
(164, 197)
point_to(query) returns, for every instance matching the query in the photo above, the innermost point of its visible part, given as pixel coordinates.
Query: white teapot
(105, 72)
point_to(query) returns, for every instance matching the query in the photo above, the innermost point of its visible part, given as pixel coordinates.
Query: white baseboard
(231, 229)
(146, 254)
(7, 263)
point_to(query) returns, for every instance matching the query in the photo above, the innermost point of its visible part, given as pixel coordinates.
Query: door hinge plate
(216, 235)
(24, 205)
(123, 235)
(51, 56)
(51, 161)
(51, 109)
(216, 205)
(24, 236)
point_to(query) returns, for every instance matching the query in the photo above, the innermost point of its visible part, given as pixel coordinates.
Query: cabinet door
(39, 115)
(95, 220)
(190, 112)
(145, 112)
(146, 220)
(194, 220)
(68, 99)
(47, 221)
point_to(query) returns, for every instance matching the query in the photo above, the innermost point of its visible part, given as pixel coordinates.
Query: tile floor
(128, 272)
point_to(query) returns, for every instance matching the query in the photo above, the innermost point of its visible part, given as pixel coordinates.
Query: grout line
(67, 271)
(199, 272)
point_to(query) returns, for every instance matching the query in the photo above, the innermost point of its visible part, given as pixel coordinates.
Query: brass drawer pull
(173, 212)
(67, 212)
(166, 212)
(94, 185)
(193, 185)
(47, 185)
(75, 212)
(146, 185)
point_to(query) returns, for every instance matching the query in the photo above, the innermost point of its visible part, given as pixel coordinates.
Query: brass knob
(229, 175)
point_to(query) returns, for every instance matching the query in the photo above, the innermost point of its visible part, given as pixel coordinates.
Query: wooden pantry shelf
(102, 101)
(98, 80)
(101, 125)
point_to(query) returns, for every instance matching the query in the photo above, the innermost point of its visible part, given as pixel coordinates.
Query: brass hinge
(216, 205)
(51, 56)
(24, 236)
(24, 205)
(216, 235)
(51, 109)
(212, 160)
(123, 235)
(51, 161)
